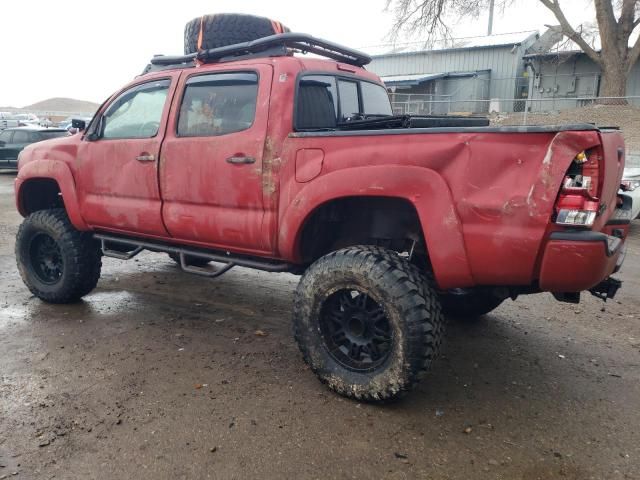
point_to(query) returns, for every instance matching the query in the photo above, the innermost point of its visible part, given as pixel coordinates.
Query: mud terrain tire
(469, 304)
(367, 322)
(58, 263)
(227, 29)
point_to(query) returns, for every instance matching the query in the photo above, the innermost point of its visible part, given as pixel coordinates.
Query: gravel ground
(158, 374)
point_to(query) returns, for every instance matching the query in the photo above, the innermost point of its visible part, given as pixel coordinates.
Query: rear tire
(225, 29)
(367, 322)
(58, 263)
(469, 304)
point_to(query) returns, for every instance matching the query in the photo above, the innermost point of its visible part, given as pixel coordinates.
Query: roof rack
(271, 46)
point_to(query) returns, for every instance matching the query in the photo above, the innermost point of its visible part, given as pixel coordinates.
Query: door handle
(145, 157)
(240, 160)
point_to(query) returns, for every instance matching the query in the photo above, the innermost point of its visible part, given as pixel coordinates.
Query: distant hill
(60, 104)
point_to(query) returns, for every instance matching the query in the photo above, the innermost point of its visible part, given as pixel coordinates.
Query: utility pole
(490, 29)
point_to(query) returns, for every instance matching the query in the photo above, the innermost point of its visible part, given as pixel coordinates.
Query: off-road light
(578, 218)
(581, 158)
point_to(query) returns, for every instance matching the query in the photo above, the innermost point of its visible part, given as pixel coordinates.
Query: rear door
(118, 168)
(211, 172)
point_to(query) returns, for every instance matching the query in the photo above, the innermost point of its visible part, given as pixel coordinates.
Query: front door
(211, 172)
(118, 160)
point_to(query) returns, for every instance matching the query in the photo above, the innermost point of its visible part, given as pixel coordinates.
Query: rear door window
(218, 104)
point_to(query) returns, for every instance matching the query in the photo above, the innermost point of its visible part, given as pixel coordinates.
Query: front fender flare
(53, 170)
(425, 189)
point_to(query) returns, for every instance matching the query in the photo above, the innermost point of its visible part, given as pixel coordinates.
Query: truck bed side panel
(503, 186)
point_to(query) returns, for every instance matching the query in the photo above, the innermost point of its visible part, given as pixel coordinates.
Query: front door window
(137, 112)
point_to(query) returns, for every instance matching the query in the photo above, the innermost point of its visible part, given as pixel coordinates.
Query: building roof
(468, 43)
(554, 53)
(418, 78)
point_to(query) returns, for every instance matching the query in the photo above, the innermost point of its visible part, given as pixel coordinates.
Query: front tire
(58, 263)
(367, 322)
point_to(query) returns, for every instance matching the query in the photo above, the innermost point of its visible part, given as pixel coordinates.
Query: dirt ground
(160, 375)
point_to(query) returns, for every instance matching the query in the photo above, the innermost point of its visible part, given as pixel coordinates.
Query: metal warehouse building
(502, 73)
(569, 79)
(464, 77)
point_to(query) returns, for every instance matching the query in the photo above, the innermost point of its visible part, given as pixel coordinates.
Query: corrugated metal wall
(561, 81)
(504, 62)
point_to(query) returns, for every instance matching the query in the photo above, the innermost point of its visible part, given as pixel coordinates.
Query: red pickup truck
(248, 155)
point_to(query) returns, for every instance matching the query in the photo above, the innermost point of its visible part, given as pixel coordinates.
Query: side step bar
(228, 260)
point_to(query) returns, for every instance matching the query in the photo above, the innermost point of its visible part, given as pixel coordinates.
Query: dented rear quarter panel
(484, 198)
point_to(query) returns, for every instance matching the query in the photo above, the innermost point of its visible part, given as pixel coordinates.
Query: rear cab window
(325, 101)
(349, 99)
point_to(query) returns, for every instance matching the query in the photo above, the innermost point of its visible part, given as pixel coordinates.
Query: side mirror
(78, 124)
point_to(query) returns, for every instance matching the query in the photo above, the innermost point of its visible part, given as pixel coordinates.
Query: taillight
(578, 202)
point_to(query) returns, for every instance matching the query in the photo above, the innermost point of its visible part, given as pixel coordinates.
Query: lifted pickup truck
(250, 156)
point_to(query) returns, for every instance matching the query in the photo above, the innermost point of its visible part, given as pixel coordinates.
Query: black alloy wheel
(46, 258)
(355, 330)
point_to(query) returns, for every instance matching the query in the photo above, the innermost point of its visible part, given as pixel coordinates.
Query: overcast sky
(87, 50)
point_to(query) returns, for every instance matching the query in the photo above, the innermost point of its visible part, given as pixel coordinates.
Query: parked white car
(12, 120)
(8, 120)
(631, 183)
(27, 119)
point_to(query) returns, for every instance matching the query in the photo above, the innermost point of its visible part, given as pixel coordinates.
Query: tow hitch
(606, 289)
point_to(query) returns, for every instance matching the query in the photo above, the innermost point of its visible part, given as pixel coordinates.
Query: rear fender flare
(52, 170)
(425, 189)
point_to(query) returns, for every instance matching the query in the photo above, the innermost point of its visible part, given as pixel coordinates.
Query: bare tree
(616, 22)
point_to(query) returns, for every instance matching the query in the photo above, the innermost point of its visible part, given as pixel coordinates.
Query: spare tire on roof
(219, 30)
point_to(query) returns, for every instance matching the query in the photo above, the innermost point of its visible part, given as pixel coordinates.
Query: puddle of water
(109, 302)
(98, 303)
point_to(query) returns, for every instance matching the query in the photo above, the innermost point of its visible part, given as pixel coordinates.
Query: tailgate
(612, 166)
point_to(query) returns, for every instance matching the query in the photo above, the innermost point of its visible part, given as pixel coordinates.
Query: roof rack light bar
(296, 41)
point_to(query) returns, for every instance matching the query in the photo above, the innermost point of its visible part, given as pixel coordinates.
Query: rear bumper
(576, 261)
